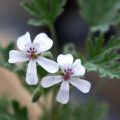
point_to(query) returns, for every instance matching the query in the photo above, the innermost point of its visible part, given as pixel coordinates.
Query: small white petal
(49, 65)
(63, 94)
(31, 76)
(82, 85)
(23, 41)
(44, 41)
(49, 81)
(78, 68)
(64, 59)
(16, 56)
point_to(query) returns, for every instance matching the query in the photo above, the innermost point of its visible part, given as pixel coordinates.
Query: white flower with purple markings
(70, 75)
(32, 52)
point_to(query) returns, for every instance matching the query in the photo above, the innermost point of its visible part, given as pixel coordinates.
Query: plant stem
(54, 108)
(54, 37)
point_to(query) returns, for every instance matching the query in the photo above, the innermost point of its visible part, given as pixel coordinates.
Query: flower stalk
(55, 39)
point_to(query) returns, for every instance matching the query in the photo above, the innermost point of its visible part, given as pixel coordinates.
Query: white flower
(70, 71)
(32, 52)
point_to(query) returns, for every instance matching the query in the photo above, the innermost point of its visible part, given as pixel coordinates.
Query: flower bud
(37, 94)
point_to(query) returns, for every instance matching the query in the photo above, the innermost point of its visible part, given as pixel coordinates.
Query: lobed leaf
(100, 14)
(104, 58)
(45, 12)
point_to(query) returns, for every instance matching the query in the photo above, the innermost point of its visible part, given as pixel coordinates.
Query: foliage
(70, 48)
(100, 57)
(104, 58)
(86, 111)
(45, 12)
(18, 113)
(4, 55)
(100, 14)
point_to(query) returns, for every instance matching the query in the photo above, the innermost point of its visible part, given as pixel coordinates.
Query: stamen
(67, 74)
(32, 53)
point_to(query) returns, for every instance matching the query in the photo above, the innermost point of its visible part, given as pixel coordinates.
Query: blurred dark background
(70, 28)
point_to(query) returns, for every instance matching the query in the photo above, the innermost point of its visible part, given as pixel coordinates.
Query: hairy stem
(54, 37)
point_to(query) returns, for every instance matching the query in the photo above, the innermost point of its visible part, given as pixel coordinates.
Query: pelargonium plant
(32, 52)
(51, 76)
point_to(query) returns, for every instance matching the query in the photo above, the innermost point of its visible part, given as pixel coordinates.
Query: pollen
(33, 56)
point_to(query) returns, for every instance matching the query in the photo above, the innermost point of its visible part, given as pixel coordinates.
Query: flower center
(32, 53)
(67, 74)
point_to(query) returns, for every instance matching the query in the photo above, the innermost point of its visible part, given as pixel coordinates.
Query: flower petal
(64, 59)
(63, 94)
(49, 65)
(49, 81)
(16, 56)
(23, 41)
(31, 76)
(82, 85)
(78, 68)
(44, 41)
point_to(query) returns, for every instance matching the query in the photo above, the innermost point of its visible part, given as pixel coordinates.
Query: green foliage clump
(100, 14)
(104, 58)
(12, 111)
(45, 12)
(4, 55)
(87, 111)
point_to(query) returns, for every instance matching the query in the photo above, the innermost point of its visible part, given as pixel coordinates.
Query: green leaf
(19, 113)
(104, 58)
(100, 14)
(70, 48)
(4, 52)
(45, 12)
(4, 56)
(37, 22)
(7, 49)
(48, 55)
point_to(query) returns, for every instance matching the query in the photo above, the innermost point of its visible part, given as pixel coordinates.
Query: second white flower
(71, 70)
